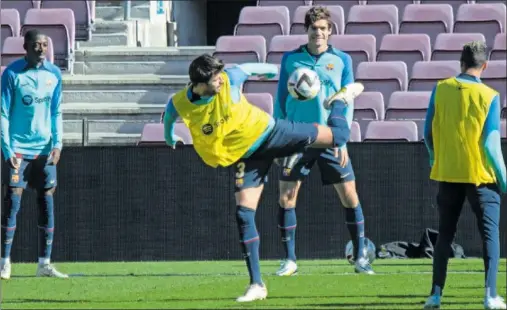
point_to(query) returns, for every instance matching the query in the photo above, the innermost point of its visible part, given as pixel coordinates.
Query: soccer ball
(369, 249)
(304, 84)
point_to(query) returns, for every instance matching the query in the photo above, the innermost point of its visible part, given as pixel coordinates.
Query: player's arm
(56, 116)
(491, 139)
(240, 73)
(170, 117)
(348, 78)
(428, 124)
(7, 97)
(282, 92)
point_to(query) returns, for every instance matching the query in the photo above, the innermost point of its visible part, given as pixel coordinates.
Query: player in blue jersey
(31, 136)
(334, 68)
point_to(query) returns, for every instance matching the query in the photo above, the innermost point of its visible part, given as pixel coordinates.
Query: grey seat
(241, 49)
(383, 76)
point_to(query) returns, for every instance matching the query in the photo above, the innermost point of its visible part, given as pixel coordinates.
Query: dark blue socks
(250, 242)
(287, 225)
(12, 204)
(46, 225)
(355, 224)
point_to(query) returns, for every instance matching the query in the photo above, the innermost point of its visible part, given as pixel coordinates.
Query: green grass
(326, 284)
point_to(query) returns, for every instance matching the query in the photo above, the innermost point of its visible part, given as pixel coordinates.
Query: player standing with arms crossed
(334, 68)
(227, 130)
(32, 132)
(462, 134)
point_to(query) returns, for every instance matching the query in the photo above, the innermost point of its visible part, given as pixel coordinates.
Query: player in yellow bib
(227, 130)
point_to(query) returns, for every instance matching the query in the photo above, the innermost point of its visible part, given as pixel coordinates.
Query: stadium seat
(369, 106)
(448, 46)
(153, 134)
(22, 6)
(256, 85)
(425, 74)
(377, 20)
(281, 44)
(408, 48)
(488, 19)
(12, 50)
(265, 21)
(495, 76)
(430, 19)
(2, 68)
(290, 4)
(345, 4)
(60, 26)
(503, 128)
(241, 49)
(400, 4)
(261, 100)
(355, 132)
(391, 131)
(337, 17)
(409, 106)
(504, 109)
(455, 4)
(11, 24)
(360, 47)
(499, 50)
(383, 76)
(81, 15)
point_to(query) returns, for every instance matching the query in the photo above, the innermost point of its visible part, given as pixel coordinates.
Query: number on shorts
(241, 170)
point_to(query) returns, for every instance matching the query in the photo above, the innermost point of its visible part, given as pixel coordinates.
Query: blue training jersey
(31, 112)
(334, 69)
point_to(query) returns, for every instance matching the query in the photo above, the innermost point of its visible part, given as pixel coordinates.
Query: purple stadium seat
(290, 4)
(282, 44)
(430, 19)
(391, 131)
(255, 85)
(448, 46)
(355, 132)
(263, 101)
(495, 76)
(503, 128)
(337, 17)
(241, 49)
(455, 4)
(22, 6)
(426, 73)
(400, 4)
(81, 15)
(265, 21)
(345, 4)
(153, 134)
(2, 68)
(504, 109)
(11, 24)
(360, 47)
(488, 19)
(369, 106)
(60, 26)
(383, 76)
(499, 51)
(405, 47)
(409, 106)
(377, 20)
(12, 50)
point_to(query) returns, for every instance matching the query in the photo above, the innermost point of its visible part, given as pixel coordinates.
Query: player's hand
(54, 156)
(14, 162)
(343, 154)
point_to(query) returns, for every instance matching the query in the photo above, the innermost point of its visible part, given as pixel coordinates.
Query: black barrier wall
(133, 203)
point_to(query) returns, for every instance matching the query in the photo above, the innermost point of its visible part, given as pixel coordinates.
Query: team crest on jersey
(15, 178)
(207, 129)
(286, 172)
(330, 67)
(239, 182)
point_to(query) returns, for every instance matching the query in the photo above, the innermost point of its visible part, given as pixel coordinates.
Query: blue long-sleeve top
(491, 137)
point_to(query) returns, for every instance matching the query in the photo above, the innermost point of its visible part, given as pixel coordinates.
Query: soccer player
(31, 145)
(334, 68)
(462, 134)
(227, 130)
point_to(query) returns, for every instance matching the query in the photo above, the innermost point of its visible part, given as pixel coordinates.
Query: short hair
(317, 13)
(474, 55)
(203, 68)
(32, 34)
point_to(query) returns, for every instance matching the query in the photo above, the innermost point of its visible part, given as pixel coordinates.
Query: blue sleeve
(236, 75)
(170, 117)
(492, 143)
(7, 97)
(56, 113)
(428, 124)
(282, 92)
(348, 78)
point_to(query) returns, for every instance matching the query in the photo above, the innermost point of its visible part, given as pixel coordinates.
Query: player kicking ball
(334, 70)
(227, 130)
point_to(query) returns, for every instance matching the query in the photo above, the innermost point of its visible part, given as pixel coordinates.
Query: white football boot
(287, 268)
(254, 292)
(5, 271)
(494, 303)
(48, 270)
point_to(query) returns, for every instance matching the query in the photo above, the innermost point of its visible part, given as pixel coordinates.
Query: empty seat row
(379, 20)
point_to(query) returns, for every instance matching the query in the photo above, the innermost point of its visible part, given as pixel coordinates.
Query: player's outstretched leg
(12, 204)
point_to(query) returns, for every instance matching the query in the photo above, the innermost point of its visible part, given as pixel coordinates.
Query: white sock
(44, 261)
(6, 260)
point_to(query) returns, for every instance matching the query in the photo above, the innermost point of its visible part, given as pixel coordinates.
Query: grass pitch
(325, 284)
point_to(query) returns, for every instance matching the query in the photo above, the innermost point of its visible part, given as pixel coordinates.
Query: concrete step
(76, 139)
(128, 60)
(112, 110)
(104, 27)
(119, 126)
(116, 12)
(106, 39)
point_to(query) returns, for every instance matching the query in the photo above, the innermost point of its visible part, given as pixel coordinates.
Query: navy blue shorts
(285, 139)
(330, 170)
(35, 173)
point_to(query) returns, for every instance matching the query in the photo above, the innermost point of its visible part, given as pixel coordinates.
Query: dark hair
(317, 13)
(32, 34)
(474, 55)
(203, 68)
